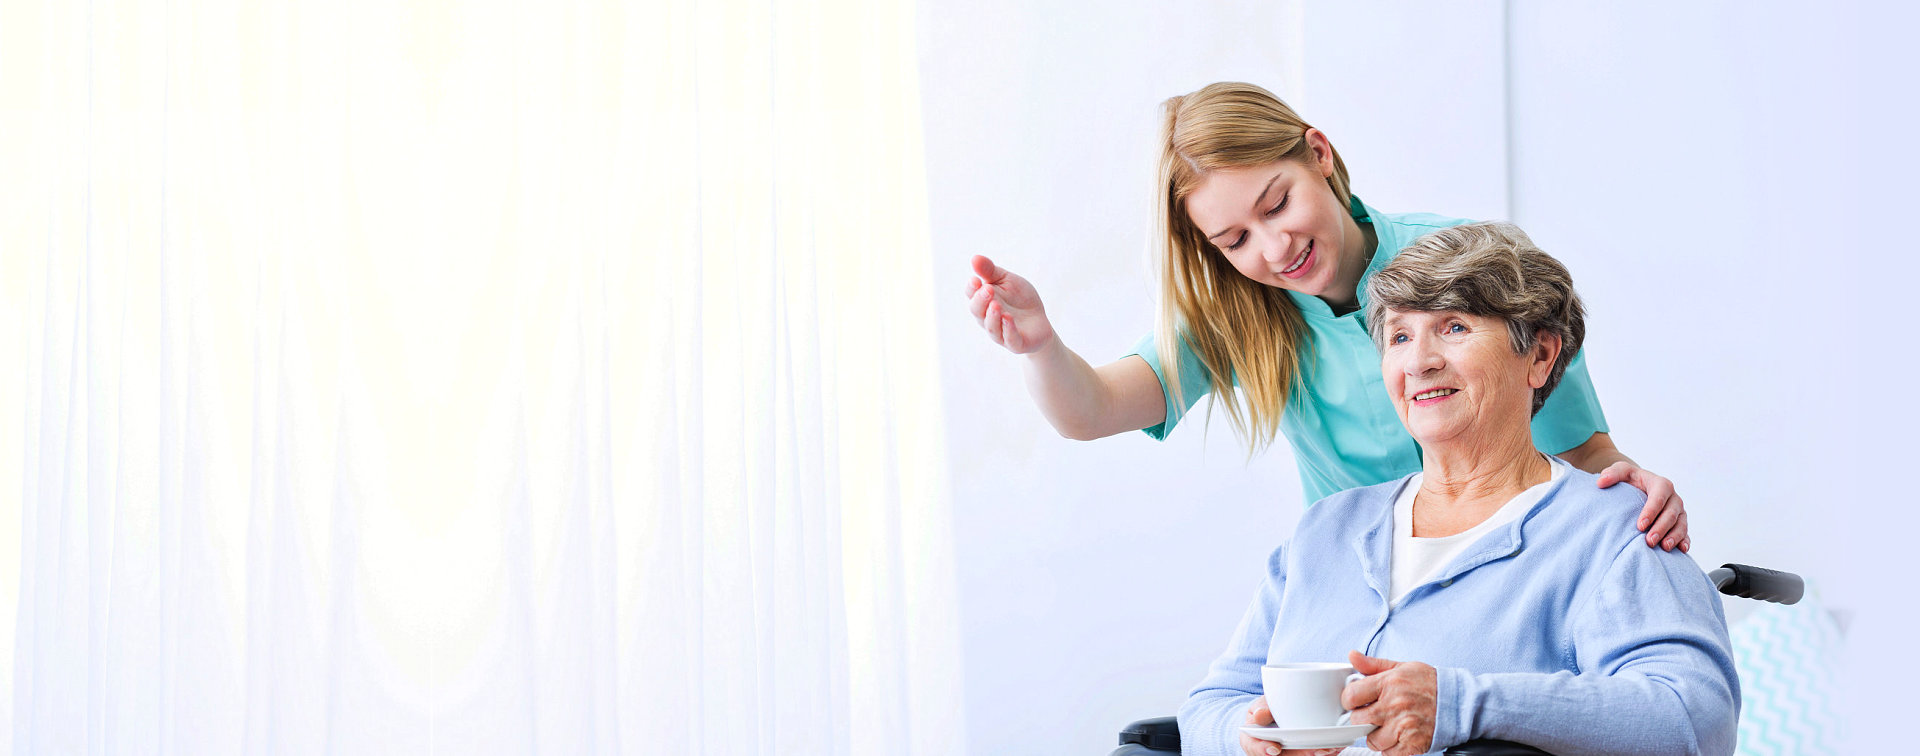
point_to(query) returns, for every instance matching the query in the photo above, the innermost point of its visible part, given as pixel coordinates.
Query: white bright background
(1728, 182)
(468, 377)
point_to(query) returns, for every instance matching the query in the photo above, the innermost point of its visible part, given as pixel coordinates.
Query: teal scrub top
(1340, 421)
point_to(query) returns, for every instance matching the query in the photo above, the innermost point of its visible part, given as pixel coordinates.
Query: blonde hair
(1242, 330)
(1490, 270)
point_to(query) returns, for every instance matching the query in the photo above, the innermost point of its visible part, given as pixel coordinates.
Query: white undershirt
(1417, 560)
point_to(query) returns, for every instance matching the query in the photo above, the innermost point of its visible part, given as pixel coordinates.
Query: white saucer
(1311, 737)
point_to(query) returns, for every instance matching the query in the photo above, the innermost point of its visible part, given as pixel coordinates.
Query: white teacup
(1306, 694)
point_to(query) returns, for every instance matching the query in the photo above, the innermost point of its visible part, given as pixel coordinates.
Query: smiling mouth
(1434, 394)
(1301, 260)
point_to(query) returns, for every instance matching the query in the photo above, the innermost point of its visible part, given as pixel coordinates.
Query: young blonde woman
(1264, 254)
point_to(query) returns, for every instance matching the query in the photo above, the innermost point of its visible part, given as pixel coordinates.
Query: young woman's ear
(1322, 151)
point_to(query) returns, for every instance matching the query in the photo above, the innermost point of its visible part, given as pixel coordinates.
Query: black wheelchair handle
(1747, 581)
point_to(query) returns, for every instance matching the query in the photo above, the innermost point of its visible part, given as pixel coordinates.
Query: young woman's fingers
(1650, 515)
(1660, 494)
(986, 270)
(1010, 336)
(1677, 535)
(977, 301)
(1655, 487)
(1615, 473)
(1662, 534)
(991, 321)
(973, 285)
(1686, 545)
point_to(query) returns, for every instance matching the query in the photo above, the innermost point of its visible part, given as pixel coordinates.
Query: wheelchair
(1161, 735)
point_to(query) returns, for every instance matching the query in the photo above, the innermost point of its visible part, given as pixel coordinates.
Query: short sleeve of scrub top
(1342, 437)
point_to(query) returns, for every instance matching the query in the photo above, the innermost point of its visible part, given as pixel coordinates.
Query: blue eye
(1396, 338)
(1457, 327)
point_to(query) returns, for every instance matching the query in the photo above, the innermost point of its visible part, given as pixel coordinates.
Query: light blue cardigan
(1563, 630)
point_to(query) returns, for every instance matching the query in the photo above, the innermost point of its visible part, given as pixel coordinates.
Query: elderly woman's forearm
(1656, 672)
(1577, 715)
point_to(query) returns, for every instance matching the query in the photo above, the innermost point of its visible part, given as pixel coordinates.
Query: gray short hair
(1491, 270)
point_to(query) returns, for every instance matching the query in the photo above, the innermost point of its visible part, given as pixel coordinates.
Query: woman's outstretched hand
(1008, 308)
(1664, 519)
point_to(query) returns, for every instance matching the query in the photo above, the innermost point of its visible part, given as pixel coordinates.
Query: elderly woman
(1509, 587)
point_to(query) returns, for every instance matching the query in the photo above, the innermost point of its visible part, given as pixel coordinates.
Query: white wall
(1671, 158)
(1730, 184)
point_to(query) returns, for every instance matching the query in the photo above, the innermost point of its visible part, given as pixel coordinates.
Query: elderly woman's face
(1454, 377)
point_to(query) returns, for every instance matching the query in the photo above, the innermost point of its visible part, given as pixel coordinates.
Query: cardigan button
(1446, 584)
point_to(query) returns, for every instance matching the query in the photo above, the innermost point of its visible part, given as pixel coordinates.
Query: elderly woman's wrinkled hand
(1664, 518)
(1258, 715)
(1401, 698)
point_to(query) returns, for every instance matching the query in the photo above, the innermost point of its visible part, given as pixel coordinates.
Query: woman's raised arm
(1081, 401)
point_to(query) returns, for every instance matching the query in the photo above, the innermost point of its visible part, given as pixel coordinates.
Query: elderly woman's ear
(1546, 349)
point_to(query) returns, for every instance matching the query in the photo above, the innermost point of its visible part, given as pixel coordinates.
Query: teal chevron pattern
(1787, 657)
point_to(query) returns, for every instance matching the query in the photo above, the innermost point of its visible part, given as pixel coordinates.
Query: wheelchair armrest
(1494, 748)
(1158, 733)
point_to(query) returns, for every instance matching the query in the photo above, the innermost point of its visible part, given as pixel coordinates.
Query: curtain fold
(482, 377)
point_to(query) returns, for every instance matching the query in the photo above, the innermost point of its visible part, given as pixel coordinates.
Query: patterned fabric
(1790, 695)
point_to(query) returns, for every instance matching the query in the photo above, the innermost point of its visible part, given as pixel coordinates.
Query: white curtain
(469, 377)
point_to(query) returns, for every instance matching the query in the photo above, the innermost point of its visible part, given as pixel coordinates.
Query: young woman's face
(1281, 225)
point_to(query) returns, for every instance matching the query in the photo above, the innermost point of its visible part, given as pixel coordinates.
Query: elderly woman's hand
(1664, 518)
(1400, 697)
(1258, 715)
